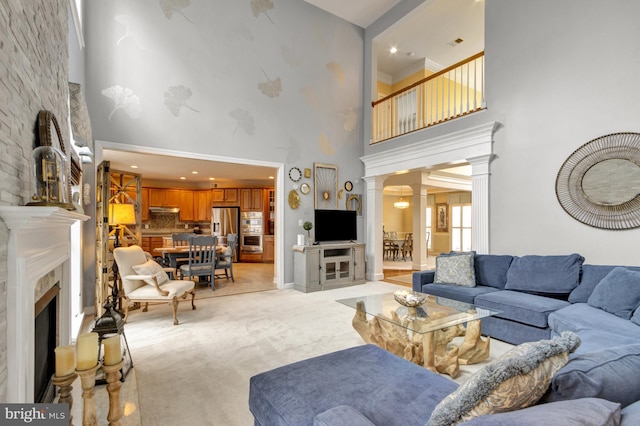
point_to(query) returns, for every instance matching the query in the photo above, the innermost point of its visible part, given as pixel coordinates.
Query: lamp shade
(121, 214)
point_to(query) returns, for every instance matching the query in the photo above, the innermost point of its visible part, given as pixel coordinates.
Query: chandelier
(401, 203)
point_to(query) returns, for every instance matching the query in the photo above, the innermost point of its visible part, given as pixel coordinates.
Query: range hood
(164, 209)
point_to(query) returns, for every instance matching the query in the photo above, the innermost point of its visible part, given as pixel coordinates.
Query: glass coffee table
(422, 333)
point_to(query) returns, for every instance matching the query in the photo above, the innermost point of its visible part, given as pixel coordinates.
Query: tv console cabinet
(328, 266)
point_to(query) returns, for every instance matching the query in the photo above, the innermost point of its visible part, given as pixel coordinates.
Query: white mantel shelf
(37, 217)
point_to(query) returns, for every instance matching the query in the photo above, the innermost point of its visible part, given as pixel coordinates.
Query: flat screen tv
(335, 225)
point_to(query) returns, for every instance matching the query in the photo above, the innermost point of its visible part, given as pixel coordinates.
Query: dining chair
(224, 260)
(180, 239)
(202, 258)
(407, 246)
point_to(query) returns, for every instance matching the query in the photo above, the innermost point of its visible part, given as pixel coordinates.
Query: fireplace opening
(46, 333)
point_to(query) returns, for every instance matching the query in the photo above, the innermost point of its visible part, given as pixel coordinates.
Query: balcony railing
(453, 92)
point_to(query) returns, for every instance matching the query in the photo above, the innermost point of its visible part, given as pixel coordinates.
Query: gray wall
(33, 57)
(228, 61)
(558, 74)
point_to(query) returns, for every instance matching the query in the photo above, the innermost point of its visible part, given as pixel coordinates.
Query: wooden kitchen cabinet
(202, 205)
(160, 197)
(251, 199)
(225, 196)
(186, 205)
(268, 248)
(145, 204)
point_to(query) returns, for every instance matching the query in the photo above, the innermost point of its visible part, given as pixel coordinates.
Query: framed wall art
(442, 217)
(325, 186)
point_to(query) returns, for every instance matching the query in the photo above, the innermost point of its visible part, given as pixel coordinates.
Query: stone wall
(33, 77)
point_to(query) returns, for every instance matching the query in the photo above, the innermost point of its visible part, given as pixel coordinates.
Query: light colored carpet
(249, 278)
(197, 373)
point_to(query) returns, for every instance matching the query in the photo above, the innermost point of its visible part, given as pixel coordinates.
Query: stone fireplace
(40, 244)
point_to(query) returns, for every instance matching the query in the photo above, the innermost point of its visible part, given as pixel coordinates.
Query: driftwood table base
(430, 349)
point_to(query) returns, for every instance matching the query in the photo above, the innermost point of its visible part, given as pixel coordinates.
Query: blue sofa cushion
(491, 269)
(611, 374)
(631, 414)
(636, 317)
(591, 276)
(521, 307)
(497, 387)
(456, 270)
(383, 387)
(579, 412)
(618, 293)
(457, 292)
(341, 415)
(553, 276)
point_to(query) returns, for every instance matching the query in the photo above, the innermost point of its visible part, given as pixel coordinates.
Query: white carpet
(197, 373)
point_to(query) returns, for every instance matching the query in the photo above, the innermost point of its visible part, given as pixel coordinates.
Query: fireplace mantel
(39, 241)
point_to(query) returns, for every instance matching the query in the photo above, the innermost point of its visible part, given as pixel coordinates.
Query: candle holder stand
(64, 384)
(88, 380)
(112, 373)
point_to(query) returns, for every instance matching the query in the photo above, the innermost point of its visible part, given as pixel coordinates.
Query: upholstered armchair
(145, 281)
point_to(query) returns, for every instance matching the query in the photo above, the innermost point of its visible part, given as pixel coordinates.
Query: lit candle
(65, 360)
(112, 350)
(87, 348)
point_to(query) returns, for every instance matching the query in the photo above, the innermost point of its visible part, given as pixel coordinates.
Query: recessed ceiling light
(271, 177)
(134, 166)
(212, 178)
(194, 172)
(393, 49)
(183, 178)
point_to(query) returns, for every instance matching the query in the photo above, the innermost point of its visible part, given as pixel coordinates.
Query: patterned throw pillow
(517, 380)
(455, 269)
(151, 267)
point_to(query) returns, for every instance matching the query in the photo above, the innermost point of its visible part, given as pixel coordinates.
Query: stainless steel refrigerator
(224, 221)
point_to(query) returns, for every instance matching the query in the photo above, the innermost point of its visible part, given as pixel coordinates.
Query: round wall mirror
(599, 184)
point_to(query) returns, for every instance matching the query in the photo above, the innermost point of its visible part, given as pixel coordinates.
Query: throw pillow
(610, 374)
(151, 267)
(517, 380)
(554, 276)
(617, 293)
(456, 269)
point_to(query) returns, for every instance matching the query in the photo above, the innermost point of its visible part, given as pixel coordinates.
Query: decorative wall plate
(305, 188)
(599, 184)
(295, 174)
(340, 194)
(354, 203)
(348, 186)
(307, 173)
(294, 199)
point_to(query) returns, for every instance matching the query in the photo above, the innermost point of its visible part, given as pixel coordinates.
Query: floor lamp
(120, 215)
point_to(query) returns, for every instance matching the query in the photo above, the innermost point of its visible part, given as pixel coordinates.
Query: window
(461, 227)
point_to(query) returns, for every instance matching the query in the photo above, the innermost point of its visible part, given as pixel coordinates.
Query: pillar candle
(87, 351)
(65, 360)
(112, 350)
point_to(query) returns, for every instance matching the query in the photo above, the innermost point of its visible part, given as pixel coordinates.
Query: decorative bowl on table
(410, 299)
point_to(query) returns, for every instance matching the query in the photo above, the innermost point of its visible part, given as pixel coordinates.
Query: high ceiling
(427, 33)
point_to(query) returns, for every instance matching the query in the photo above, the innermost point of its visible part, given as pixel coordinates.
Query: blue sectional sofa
(540, 297)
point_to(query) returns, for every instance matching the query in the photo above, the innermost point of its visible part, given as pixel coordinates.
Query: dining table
(181, 252)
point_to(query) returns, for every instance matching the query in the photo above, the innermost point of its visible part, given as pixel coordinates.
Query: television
(335, 225)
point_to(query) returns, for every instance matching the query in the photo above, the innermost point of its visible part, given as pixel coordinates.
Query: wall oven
(251, 232)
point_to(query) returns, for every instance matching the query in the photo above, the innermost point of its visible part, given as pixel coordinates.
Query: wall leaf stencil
(176, 97)
(350, 120)
(244, 120)
(325, 145)
(124, 99)
(170, 6)
(262, 6)
(129, 29)
(290, 56)
(337, 71)
(271, 88)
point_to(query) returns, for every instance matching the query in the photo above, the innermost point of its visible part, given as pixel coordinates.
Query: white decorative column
(39, 242)
(419, 205)
(480, 172)
(373, 228)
